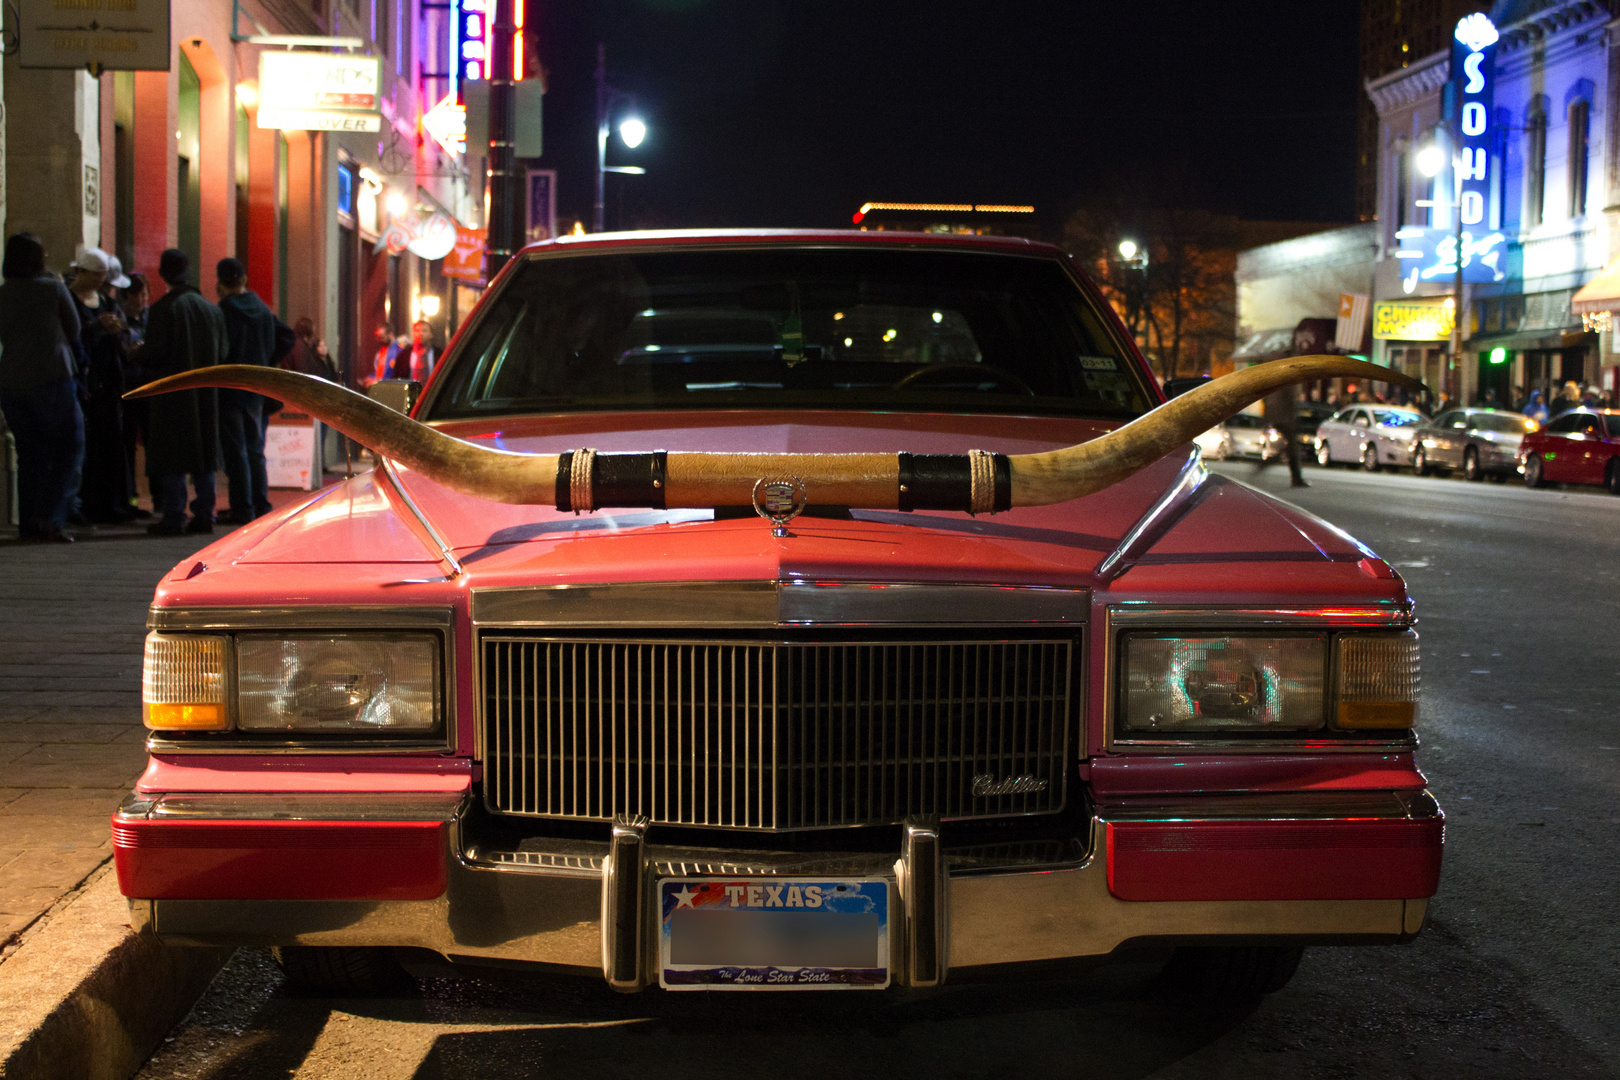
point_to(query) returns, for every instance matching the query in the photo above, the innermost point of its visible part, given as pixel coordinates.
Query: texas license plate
(773, 934)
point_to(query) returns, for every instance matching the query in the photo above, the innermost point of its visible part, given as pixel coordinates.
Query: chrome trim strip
(1138, 616)
(1151, 527)
(1268, 806)
(749, 604)
(436, 539)
(302, 806)
(381, 618)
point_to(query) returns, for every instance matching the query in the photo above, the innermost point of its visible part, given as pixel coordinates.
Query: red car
(1576, 447)
(788, 611)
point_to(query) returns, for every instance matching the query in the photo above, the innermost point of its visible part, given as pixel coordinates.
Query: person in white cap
(104, 488)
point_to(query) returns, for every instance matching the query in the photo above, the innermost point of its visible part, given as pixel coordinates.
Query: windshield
(1504, 423)
(1391, 418)
(1246, 420)
(790, 328)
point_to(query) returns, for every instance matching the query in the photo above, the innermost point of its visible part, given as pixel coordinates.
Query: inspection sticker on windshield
(773, 934)
(1098, 363)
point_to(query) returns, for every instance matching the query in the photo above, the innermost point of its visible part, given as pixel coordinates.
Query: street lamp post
(1431, 160)
(1134, 260)
(505, 230)
(632, 131)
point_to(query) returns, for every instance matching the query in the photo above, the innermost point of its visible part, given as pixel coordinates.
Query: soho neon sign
(1473, 60)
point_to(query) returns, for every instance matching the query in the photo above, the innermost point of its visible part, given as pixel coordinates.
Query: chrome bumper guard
(585, 906)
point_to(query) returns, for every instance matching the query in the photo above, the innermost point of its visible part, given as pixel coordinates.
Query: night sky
(794, 112)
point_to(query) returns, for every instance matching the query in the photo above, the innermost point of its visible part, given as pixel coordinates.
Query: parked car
(1372, 436)
(785, 682)
(1576, 447)
(1311, 415)
(1480, 442)
(1252, 437)
(1216, 443)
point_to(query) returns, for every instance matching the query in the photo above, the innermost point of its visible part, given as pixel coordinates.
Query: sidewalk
(72, 623)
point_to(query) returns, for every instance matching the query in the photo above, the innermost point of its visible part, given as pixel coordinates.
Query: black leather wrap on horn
(617, 480)
(945, 482)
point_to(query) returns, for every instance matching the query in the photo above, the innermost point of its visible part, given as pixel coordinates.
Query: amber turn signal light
(1377, 714)
(176, 716)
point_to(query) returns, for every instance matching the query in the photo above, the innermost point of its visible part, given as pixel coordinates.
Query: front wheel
(1471, 470)
(1221, 974)
(1369, 457)
(1611, 476)
(1324, 456)
(1534, 475)
(1420, 461)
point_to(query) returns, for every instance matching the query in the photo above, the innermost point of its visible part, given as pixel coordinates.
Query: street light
(1431, 159)
(1127, 249)
(633, 130)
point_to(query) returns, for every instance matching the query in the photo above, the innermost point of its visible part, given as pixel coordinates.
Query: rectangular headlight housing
(184, 682)
(1379, 677)
(1224, 682)
(338, 682)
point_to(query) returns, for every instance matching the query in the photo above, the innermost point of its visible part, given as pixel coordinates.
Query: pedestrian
(1281, 408)
(105, 491)
(382, 361)
(416, 360)
(1568, 398)
(132, 301)
(250, 330)
(183, 332)
(39, 395)
(1536, 407)
(306, 357)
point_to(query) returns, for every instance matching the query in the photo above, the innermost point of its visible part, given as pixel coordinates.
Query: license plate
(773, 934)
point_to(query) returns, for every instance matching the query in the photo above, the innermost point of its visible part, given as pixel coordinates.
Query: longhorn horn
(977, 482)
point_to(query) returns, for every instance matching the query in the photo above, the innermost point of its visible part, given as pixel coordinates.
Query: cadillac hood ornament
(779, 500)
(975, 482)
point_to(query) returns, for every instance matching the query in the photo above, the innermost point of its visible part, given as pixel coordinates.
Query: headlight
(183, 682)
(1275, 683)
(337, 682)
(1219, 683)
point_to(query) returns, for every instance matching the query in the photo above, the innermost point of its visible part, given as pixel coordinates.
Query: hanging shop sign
(1430, 253)
(101, 35)
(466, 260)
(1412, 320)
(447, 123)
(431, 237)
(319, 92)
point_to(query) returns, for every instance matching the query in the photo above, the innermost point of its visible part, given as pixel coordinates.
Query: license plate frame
(837, 918)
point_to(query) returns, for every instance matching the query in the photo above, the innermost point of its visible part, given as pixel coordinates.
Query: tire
(1420, 461)
(1611, 476)
(1224, 974)
(1369, 457)
(341, 971)
(1471, 470)
(1324, 456)
(1534, 476)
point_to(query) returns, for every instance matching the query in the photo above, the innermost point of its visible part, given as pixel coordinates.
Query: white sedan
(1369, 435)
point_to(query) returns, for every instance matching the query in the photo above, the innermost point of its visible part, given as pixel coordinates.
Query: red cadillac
(783, 610)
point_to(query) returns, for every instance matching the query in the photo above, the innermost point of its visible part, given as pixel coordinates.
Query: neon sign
(473, 48)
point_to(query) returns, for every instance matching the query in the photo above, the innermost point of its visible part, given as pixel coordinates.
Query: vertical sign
(542, 205)
(1473, 73)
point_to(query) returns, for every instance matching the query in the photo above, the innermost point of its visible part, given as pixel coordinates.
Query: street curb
(84, 997)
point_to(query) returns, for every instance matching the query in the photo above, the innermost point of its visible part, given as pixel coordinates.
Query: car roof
(789, 237)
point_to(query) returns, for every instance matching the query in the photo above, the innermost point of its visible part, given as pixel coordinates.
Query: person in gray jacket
(39, 392)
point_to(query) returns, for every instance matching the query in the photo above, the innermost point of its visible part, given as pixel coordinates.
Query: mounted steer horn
(977, 482)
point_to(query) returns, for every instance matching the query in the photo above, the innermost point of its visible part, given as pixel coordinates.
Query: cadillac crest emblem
(779, 500)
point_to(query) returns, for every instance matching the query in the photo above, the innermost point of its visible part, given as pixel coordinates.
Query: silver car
(1242, 436)
(1369, 435)
(1480, 442)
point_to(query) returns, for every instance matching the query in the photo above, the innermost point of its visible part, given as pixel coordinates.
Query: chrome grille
(774, 734)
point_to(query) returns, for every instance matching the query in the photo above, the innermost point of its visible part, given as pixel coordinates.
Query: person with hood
(1536, 407)
(183, 332)
(250, 329)
(39, 394)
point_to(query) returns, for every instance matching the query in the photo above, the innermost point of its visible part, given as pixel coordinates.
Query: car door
(1591, 457)
(1560, 449)
(1334, 431)
(1444, 450)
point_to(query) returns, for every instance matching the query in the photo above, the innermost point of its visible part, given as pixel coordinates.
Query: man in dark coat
(183, 332)
(250, 329)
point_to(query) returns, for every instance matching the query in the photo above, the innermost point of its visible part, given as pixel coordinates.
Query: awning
(1265, 345)
(1602, 293)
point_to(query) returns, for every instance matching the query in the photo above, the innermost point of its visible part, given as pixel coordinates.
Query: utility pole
(504, 235)
(601, 137)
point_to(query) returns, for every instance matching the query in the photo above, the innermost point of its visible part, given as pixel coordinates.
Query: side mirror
(397, 394)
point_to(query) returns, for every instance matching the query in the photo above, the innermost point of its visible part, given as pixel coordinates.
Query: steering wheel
(1000, 375)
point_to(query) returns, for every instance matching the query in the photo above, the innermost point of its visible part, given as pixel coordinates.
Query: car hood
(359, 536)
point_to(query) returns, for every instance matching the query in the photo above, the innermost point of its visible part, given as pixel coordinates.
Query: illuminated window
(1535, 166)
(1580, 113)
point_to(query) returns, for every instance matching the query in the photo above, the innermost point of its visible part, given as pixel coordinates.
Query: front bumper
(394, 871)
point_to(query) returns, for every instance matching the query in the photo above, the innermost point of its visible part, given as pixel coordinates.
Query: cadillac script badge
(1025, 784)
(779, 500)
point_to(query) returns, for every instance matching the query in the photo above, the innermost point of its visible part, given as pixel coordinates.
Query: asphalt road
(1514, 978)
